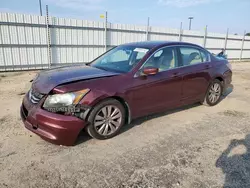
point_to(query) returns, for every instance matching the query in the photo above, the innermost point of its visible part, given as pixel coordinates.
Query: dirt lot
(196, 146)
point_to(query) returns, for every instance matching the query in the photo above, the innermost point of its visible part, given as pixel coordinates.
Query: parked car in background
(127, 82)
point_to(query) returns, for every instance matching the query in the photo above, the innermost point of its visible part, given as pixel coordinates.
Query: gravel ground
(195, 146)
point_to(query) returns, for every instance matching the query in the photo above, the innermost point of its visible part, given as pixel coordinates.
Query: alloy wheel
(108, 120)
(214, 93)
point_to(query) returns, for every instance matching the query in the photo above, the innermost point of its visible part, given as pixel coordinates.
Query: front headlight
(66, 99)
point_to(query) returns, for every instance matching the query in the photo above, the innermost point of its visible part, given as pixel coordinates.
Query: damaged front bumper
(56, 128)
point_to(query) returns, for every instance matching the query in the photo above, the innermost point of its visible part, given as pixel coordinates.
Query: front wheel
(213, 94)
(106, 119)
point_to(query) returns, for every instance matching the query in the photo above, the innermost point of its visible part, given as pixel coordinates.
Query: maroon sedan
(129, 81)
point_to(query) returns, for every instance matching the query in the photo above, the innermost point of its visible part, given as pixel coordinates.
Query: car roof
(153, 44)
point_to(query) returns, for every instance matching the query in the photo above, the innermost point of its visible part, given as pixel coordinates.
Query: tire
(109, 125)
(208, 100)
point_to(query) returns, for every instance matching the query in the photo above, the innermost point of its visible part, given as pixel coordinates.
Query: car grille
(34, 96)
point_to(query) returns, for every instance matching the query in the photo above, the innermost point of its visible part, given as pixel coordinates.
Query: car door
(196, 73)
(154, 93)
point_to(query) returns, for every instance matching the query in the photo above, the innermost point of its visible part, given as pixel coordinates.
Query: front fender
(95, 97)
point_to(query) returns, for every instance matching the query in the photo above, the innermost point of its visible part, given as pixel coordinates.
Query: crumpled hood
(49, 79)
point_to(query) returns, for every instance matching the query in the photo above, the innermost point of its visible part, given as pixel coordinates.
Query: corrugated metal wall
(24, 40)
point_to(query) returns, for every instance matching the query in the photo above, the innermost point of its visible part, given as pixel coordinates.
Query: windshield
(120, 59)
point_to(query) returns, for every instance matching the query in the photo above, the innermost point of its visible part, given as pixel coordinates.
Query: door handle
(174, 75)
(208, 66)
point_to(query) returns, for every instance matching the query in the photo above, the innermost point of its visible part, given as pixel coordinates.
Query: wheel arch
(126, 107)
(220, 78)
(122, 101)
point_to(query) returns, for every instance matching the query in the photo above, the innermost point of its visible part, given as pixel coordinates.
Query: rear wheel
(214, 93)
(106, 119)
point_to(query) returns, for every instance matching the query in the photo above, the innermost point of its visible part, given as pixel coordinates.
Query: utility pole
(40, 4)
(190, 22)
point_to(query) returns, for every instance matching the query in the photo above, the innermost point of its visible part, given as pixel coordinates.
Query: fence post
(9, 36)
(48, 37)
(1, 40)
(205, 37)
(242, 45)
(225, 44)
(147, 31)
(106, 31)
(180, 32)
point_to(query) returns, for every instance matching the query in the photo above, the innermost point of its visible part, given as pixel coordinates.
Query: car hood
(49, 79)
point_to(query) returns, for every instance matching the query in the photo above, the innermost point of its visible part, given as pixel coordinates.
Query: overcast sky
(217, 14)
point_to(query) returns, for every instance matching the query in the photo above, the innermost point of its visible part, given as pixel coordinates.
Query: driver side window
(163, 59)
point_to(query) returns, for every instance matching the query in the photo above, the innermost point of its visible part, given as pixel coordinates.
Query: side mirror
(150, 70)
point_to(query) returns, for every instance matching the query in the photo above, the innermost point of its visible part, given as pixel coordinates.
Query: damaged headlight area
(66, 102)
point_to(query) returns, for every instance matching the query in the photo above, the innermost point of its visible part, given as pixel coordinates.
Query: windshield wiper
(102, 68)
(108, 69)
